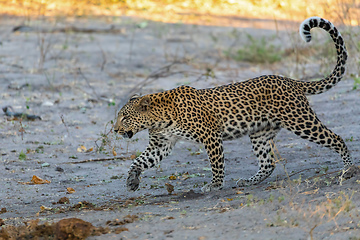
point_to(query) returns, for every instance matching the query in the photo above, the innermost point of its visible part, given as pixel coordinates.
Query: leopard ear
(144, 103)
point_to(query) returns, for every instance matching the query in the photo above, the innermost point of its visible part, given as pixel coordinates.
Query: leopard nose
(128, 134)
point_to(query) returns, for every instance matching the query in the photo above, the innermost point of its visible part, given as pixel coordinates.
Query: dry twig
(100, 160)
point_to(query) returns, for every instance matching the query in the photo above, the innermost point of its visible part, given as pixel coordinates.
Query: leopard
(259, 107)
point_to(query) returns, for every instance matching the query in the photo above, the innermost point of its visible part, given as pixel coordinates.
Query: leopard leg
(159, 147)
(312, 129)
(214, 148)
(261, 147)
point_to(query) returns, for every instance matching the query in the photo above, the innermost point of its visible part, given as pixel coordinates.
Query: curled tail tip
(307, 25)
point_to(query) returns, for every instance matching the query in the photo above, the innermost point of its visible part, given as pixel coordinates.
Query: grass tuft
(259, 50)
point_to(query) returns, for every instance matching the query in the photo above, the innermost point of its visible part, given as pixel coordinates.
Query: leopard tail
(324, 84)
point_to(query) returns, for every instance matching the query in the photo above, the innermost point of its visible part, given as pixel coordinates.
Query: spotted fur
(258, 107)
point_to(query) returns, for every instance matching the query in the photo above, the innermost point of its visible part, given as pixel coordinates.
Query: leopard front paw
(133, 180)
(212, 187)
(243, 182)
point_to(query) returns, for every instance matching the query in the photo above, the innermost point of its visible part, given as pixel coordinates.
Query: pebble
(59, 169)
(47, 104)
(45, 165)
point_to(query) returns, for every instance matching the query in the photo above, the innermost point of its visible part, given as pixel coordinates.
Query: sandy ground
(75, 74)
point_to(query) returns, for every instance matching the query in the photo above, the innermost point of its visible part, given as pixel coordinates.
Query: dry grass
(189, 11)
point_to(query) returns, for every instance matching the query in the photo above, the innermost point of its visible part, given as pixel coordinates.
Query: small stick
(21, 130)
(104, 57)
(306, 169)
(99, 160)
(63, 121)
(337, 171)
(87, 82)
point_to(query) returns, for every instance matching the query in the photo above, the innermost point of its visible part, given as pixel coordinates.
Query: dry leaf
(239, 192)
(70, 190)
(132, 156)
(89, 150)
(36, 180)
(113, 152)
(82, 148)
(43, 208)
(172, 177)
(311, 192)
(229, 199)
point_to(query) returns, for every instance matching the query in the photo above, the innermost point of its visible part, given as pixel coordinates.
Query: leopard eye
(123, 118)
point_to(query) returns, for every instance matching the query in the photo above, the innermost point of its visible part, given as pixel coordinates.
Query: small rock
(169, 188)
(63, 200)
(73, 228)
(45, 165)
(59, 169)
(47, 104)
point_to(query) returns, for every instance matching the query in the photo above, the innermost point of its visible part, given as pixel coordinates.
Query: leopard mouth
(128, 134)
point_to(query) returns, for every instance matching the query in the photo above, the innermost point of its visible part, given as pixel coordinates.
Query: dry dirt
(75, 74)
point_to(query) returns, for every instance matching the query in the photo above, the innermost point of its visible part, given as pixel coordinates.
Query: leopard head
(133, 117)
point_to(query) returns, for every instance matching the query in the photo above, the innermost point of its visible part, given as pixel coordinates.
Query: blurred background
(189, 11)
